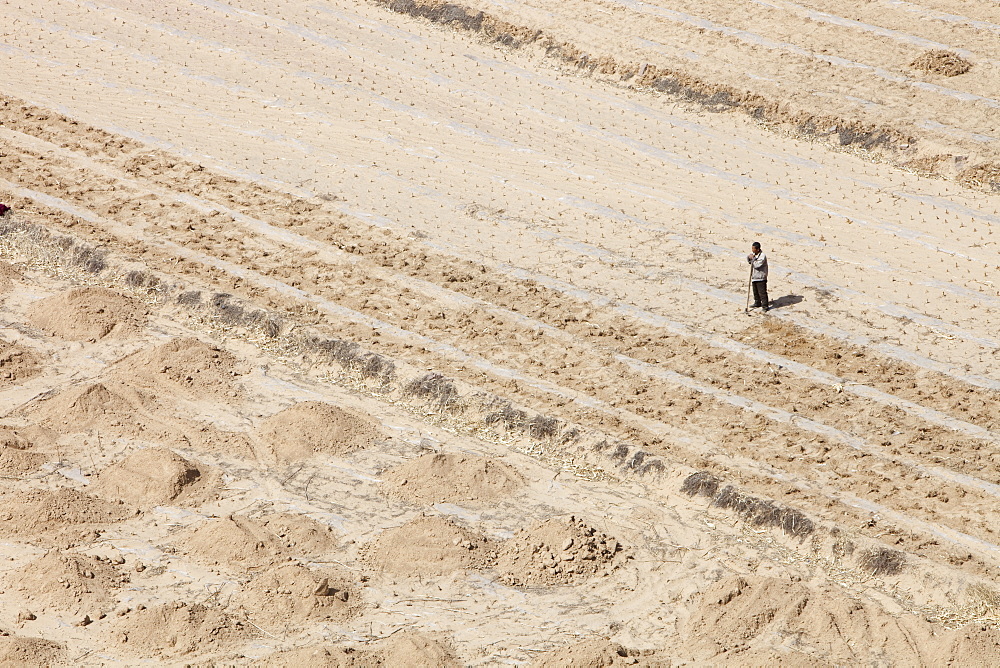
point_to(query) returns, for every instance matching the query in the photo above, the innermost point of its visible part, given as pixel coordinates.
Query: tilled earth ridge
(583, 273)
(587, 365)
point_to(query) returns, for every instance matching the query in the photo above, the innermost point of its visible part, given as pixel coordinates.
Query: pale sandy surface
(536, 269)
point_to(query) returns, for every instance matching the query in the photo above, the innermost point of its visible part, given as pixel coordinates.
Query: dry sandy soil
(397, 332)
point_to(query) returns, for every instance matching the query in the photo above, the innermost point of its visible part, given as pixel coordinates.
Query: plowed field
(404, 332)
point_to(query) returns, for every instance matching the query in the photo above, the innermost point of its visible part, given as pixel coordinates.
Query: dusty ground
(380, 333)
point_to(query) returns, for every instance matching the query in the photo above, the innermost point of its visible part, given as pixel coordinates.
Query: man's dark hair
(756, 245)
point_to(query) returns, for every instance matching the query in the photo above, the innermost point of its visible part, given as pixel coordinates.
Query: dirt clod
(185, 365)
(67, 582)
(27, 652)
(32, 512)
(558, 551)
(940, 61)
(411, 649)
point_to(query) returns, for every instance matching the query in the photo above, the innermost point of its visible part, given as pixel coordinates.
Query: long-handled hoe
(749, 290)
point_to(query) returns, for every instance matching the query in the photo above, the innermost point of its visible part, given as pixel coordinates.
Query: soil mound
(154, 476)
(232, 541)
(105, 407)
(176, 629)
(414, 650)
(32, 512)
(256, 543)
(452, 478)
(89, 314)
(72, 583)
(942, 62)
(113, 408)
(593, 653)
(184, 364)
(295, 593)
(16, 458)
(558, 551)
(25, 652)
(738, 615)
(312, 427)
(18, 363)
(429, 546)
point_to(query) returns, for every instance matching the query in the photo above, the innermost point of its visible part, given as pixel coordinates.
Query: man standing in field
(758, 276)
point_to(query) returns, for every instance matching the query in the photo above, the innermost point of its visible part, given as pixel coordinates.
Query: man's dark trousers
(760, 293)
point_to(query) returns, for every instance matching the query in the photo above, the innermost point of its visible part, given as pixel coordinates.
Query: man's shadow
(787, 300)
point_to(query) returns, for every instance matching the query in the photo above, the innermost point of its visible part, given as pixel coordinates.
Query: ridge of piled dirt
(313, 427)
(452, 478)
(176, 629)
(68, 583)
(89, 314)
(251, 543)
(411, 649)
(894, 140)
(186, 365)
(654, 405)
(155, 476)
(429, 545)
(297, 594)
(18, 363)
(971, 645)
(29, 652)
(935, 390)
(558, 551)
(667, 80)
(31, 512)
